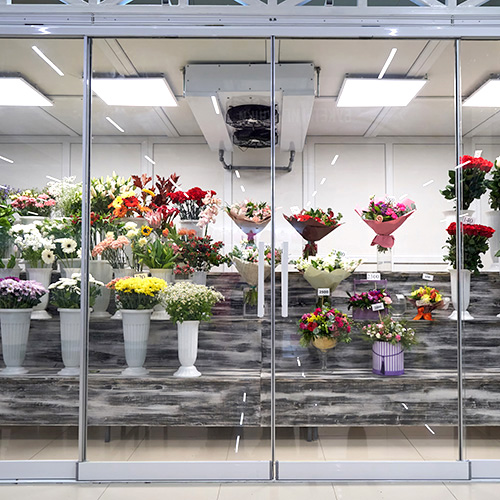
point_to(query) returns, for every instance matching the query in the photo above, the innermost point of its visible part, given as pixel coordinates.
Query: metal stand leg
(312, 434)
(107, 434)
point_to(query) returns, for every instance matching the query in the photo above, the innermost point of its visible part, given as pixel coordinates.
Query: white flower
(67, 244)
(129, 226)
(48, 256)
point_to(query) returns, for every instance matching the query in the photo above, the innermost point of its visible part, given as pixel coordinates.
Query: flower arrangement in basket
(112, 249)
(313, 225)
(31, 202)
(474, 185)
(363, 303)
(20, 294)
(384, 217)
(66, 292)
(475, 242)
(138, 293)
(251, 217)
(426, 299)
(389, 338)
(34, 244)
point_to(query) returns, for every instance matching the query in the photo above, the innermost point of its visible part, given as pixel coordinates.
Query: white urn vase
(465, 294)
(43, 276)
(159, 312)
(70, 324)
(187, 349)
(121, 273)
(135, 334)
(102, 271)
(15, 328)
(199, 278)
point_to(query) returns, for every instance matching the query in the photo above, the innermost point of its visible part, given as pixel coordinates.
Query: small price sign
(323, 292)
(373, 276)
(378, 307)
(140, 275)
(468, 220)
(400, 296)
(428, 277)
(478, 153)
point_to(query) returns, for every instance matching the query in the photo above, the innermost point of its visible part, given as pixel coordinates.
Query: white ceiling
(430, 114)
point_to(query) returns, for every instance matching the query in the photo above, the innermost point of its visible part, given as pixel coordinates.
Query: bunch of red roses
(471, 230)
(479, 163)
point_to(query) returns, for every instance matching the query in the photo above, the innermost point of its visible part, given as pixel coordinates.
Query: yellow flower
(146, 230)
(148, 191)
(117, 202)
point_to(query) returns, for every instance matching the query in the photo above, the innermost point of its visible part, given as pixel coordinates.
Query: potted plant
(65, 294)
(426, 299)
(188, 304)
(389, 339)
(475, 242)
(136, 298)
(17, 299)
(324, 328)
(251, 217)
(365, 305)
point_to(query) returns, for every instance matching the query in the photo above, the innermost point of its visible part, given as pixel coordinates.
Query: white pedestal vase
(121, 273)
(70, 324)
(187, 338)
(199, 278)
(159, 312)
(191, 225)
(43, 276)
(102, 271)
(493, 220)
(135, 334)
(465, 293)
(15, 328)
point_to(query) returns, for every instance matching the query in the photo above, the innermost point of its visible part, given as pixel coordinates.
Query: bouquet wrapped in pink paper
(250, 217)
(384, 217)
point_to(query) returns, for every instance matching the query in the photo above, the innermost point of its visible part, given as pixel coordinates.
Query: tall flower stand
(15, 328)
(70, 321)
(136, 325)
(465, 293)
(102, 271)
(43, 276)
(187, 338)
(159, 312)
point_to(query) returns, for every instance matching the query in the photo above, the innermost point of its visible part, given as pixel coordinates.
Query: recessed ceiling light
(134, 91)
(215, 104)
(335, 158)
(486, 96)
(47, 60)
(16, 91)
(372, 92)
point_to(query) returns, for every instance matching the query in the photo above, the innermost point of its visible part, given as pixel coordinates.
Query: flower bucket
(136, 325)
(388, 359)
(15, 328)
(466, 274)
(102, 271)
(367, 314)
(70, 320)
(187, 338)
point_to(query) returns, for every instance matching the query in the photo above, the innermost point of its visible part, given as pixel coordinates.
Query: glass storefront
(273, 257)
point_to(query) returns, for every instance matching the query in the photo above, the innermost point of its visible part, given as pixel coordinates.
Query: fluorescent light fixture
(372, 92)
(486, 96)
(244, 396)
(403, 196)
(236, 447)
(308, 204)
(8, 160)
(16, 91)
(47, 60)
(428, 183)
(237, 173)
(242, 188)
(429, 429)
(114, 124)
(215, 105)
(134, 91)
(323, 180)
(150, 160)
(55, 179)
(404, 406)
(335, 158)
(314, 194)
(386, 65)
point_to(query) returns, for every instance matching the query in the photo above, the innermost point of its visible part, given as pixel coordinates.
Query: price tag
(378, 307)
(478, 153)
(428, 277)
(323, 292)
(373, 276)
(400, 296)
(140, 275)
(468, 220)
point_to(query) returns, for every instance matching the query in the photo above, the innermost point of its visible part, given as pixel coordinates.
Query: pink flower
(379, 218)
(387, 300)
(398, 337)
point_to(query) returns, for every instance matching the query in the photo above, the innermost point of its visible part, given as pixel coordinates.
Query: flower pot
(102, 271)
(42, 275)
(388, 359)
(187, 338)
(30, 219)
(120, 273)
(367, 314)
(199, 278)
(71, 322)
(159, 312)
(191, 225)
(465, 294)
(15, 328)
(493, 220)
(135, 334)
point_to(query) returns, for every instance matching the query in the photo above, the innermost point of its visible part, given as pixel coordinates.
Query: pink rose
(379, 218)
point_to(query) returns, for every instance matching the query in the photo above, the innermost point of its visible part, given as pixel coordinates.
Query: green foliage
(493, 185)
(156, 255)
(473, 186)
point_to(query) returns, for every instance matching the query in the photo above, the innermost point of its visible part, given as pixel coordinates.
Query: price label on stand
(468, 220)
(378, 307)
(478, 153)
(323, 292)
(373, 276)
(400, 296)
(428, 277)
(140, 275)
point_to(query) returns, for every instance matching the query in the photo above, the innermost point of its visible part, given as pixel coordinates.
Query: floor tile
(318, 491)
(440, 444)
(475, 491)
(52, 491)
(379, 491)
(161, 492)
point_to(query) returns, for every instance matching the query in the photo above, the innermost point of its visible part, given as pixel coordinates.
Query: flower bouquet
(66, 292)
(67, 252)
(324, 328)
(384, 217)
(157, 254)
(313, 225)
(474, 185)
(250, 217)
(6, 250)
(327, 272)
(389, 338)
(31, 202)
(426, 299)
(362, 304)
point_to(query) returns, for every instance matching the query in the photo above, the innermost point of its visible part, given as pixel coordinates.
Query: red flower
(196, 194)
(131, 202)
(471, 230)
(178, 197)
(479, 163)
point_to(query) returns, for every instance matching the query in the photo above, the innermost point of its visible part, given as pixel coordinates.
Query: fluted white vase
(102, 271)
(465, 293)
(135, 334)
(121, 273)
(15, 328)
(70, 323)
(43, 276)
(199, 278)
(187, 349)
(159, 312)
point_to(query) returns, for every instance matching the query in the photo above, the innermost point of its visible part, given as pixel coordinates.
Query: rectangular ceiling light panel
(486, 96)
(372, 92)
(18, 92)
(134, 91)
